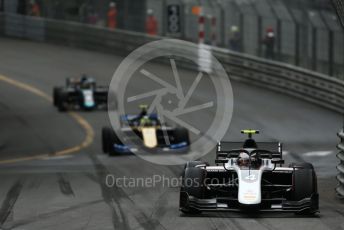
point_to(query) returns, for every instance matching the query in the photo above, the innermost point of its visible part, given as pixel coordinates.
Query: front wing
(267, 205)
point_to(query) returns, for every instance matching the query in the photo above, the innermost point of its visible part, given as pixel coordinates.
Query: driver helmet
(143, 110)
(83, 78)
(145, 120)
(243, 159)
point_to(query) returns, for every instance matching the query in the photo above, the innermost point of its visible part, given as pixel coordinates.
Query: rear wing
(130, 117)
(224, 147)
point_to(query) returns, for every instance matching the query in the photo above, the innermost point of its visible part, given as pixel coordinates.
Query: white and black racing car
(80, 93)
(249, 176)
(145, 131)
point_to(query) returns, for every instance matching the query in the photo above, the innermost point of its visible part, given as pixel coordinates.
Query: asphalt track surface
(68, 190)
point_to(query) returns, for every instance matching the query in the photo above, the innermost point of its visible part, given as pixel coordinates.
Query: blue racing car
(149, 130)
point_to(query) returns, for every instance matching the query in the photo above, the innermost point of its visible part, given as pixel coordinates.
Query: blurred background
(305, 33)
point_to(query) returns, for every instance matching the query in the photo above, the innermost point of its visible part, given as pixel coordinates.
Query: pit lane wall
(340, 167)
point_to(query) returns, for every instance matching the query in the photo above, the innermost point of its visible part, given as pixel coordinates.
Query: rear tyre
(181, 135)
(110, 138)
(305, 186)
(105, 139)
(56, 91)
(61, 98)
(193, 185)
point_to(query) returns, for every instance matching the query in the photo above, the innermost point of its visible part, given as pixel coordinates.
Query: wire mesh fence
(339, 7)
(303, 35)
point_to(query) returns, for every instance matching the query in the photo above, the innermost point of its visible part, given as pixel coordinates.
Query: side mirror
(277, 161)
(221, 161)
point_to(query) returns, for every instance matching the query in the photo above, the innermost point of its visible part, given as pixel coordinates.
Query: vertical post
(314, 48)
(297, 44)
(279, 39)
(222, 27)
(241, 30)
(259, 40)
(125, 15)
(201, 34)
(182, 21)
(305, 25)
(164, 18)
(330, 53)
(213, 30)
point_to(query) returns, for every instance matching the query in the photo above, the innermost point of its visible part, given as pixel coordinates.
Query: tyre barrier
(340, 167)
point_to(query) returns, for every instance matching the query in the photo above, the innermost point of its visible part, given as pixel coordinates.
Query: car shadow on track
(245, 215)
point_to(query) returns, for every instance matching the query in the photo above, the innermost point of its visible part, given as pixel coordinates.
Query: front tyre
(105, 139)
(193, 185)
(109, 140)
(56, 91)
(61, 100)
(305, 186)
(181, 135)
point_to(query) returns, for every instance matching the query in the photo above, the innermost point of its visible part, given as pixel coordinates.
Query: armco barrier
(308, 85)
(340, 167)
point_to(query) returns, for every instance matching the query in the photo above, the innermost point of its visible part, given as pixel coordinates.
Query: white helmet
(112, 4)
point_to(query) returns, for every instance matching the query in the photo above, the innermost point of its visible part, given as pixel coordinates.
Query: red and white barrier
(213, 30)
(201, 33)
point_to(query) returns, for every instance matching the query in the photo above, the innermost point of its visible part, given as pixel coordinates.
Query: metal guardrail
(305, 84)
(340, 167)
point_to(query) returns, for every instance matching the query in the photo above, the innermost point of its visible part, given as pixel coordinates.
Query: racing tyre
(61, 98)
(192, 164)
(193, 185)
(181, 135)
(305, 186)
(106, 132)
(109, 139)
(56, 92)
